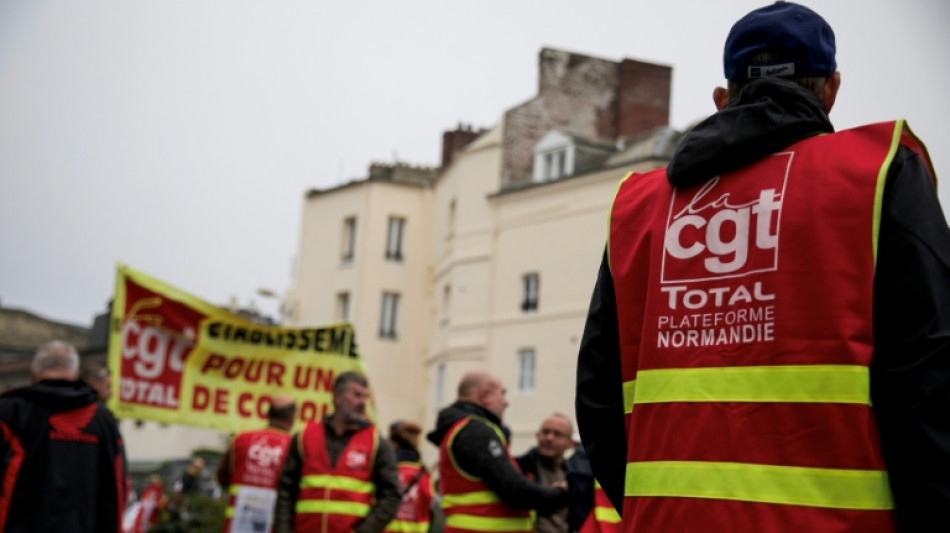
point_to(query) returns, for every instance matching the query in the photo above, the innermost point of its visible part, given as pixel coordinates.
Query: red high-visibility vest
(333, 499)
(415, 513)
(256, 461)
(603, 518)
(469, 505)
(745, 318)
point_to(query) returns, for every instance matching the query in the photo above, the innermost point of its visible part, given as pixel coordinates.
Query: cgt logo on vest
(727, 228)
(263, 454)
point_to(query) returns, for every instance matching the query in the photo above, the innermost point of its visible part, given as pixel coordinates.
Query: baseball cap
(799, 37)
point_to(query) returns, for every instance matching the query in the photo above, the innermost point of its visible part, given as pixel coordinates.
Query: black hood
(767, 116)
(450, 415)
(56, 395)
(407, 455)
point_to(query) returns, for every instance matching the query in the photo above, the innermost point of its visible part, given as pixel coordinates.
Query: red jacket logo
(728, 227)
(356, 459)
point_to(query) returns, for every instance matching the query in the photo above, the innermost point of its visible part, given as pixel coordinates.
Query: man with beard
(340, 474)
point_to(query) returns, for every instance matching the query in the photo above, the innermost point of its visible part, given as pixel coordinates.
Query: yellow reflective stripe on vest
(458, 428)
(404, 526)
(800, 383)
(879, 188)
(485, 523)
(607, 515)
(469, 498)
(328, 507)
(790, 485)
(610, 214)
(325, 481)
(629, 393)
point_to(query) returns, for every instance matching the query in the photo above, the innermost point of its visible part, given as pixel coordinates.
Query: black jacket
(580, 483)
(481, 453)
(62, 451)
(910, 371)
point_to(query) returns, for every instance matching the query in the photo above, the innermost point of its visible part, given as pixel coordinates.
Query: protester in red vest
(603, 518)
(250, 467)
(340, 475)
(143, 514)
(767, 343)
(482, 488)
(415, 514)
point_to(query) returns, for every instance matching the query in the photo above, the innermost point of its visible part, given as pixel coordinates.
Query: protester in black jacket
(60, 452)
(580, 483)
(910, 370)
(546, 463)
(480, 452)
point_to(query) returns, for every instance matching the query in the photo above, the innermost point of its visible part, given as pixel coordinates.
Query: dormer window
(554, 165)
(553, 156)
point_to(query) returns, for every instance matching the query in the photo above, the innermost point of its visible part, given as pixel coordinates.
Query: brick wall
(455, 141)
(585, 96)
(644, 97)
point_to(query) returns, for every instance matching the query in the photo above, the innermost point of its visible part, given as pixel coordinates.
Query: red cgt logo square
(729, 226)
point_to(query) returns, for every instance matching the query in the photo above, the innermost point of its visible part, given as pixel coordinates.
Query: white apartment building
(487, 263)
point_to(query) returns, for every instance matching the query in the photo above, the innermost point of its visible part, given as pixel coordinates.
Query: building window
(394, 231)
(555, 153)
(343, 306)
(439, 384)
(446, 303)
(348, 247)
(526, 370)
(529, 300)
(389, 315)
(453, 208)
(555, 165)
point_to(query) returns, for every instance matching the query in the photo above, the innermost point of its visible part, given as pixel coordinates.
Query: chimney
(454, 141)
(644, 102)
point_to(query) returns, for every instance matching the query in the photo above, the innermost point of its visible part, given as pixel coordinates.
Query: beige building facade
(496, 260)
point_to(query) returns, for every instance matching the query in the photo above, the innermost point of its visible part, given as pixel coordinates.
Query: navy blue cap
(799, 36)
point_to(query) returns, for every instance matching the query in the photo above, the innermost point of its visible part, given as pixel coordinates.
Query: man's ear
(720, 97)
(829, 92)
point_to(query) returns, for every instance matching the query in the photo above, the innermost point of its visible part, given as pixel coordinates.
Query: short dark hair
(346, 378)
(286, 412)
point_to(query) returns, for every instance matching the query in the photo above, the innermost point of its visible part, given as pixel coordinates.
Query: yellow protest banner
(177, 359)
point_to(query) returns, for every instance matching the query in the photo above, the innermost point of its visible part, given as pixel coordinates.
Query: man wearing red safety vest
(482, 488)
(143, 514)
(418, 506)
(603, 518)
(250, 467)
(767, 343)
(339, 475)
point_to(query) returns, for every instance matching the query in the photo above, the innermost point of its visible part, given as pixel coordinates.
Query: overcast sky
(179, 136)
